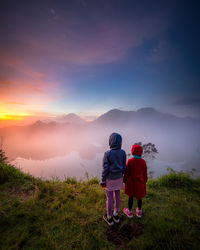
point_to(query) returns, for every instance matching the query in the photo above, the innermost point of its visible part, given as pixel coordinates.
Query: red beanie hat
(137, 150)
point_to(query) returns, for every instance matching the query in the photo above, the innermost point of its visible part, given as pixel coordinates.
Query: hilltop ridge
(64, 215)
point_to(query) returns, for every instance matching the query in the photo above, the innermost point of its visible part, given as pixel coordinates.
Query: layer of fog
(73, 165)
(68, 149)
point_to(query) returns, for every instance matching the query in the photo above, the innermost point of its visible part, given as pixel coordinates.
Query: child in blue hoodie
(114, 165)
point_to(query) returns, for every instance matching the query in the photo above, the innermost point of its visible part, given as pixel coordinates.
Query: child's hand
(103, 185)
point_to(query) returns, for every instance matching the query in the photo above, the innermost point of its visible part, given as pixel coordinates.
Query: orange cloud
(22, 98)
(15, 103)
(19, 90)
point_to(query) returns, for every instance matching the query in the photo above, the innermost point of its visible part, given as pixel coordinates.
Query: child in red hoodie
(135, 179)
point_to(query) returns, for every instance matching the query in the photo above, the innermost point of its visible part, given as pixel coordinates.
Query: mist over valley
(70, 146)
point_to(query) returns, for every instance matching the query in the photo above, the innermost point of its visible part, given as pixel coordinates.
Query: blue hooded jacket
(114, 161)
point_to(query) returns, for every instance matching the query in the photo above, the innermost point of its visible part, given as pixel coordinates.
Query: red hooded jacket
(135, 177)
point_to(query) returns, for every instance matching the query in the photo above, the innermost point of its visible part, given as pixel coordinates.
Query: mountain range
(69, 133)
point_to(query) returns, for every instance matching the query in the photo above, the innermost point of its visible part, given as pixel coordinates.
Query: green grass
(36, 214)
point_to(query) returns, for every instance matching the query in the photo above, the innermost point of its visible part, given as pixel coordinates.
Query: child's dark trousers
(130, 203)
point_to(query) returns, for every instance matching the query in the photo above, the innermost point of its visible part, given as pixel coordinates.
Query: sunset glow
(82, 83)
(14, 117)
(11, 117)
(77, 57)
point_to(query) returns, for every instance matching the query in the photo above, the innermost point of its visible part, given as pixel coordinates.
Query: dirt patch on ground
(120, 234)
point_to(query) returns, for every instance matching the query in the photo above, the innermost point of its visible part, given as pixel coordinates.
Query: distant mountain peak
(38, 122)
(147, 110)
(121, 116)
(71, 117)
(115, 115)
(114, 111)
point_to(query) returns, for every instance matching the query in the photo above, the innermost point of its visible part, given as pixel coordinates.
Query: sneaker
(109, 221)
(138, 212)
(128, 212)
(116, 218)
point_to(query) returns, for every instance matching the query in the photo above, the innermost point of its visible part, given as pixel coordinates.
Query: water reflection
(73, 165)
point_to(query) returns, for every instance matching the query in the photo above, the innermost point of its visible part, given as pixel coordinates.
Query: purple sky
(89, 56)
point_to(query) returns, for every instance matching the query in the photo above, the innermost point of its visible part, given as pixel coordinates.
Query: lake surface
(72, 165)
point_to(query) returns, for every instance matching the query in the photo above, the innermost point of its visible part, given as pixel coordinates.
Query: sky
(90, 56)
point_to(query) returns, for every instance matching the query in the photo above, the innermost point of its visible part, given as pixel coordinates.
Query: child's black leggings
(130, 203)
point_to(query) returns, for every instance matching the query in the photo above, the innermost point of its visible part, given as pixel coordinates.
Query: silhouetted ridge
(116, 115)
(72, 118)
(148, 111)
(142, 115)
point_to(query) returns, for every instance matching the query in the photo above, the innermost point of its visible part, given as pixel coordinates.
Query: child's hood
(137, 150)
(115, 141)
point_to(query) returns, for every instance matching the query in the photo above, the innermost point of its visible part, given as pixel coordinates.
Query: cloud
(100, 38)
(32, 54)
(161, 52)
(102, 43)
(22, 81)
(19, 96)
(52, 11)
(16, 103)
(188, 101)
(4, 81)
(24, 88)
(18, 64)
(53, 14)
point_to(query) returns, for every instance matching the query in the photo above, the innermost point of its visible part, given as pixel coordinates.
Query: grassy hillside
(36, 214)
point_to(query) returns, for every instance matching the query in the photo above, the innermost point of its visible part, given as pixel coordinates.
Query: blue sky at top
(89, 56)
